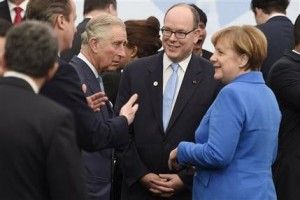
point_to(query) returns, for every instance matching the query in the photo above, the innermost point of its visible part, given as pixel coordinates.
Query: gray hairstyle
(99, 27)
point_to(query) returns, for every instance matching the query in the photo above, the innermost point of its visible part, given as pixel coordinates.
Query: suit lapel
(192, 79)
(155, 85)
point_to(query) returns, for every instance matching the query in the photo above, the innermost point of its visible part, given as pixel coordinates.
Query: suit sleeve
(285, 82)
(64, 167)
(92, 134)
(225, 124)
(131, 164)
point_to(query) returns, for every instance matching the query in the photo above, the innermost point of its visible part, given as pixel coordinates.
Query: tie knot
(18, 10)
(174, 67)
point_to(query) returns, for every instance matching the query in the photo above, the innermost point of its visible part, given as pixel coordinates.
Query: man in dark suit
(145, 160)
(4, 27)
(39, 157)
(278, 29)
(65, 87)
(91, 9)
(13, 10)
(284, 80)
(103, 40)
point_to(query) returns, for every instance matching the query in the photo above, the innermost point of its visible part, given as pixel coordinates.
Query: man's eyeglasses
(178, 34)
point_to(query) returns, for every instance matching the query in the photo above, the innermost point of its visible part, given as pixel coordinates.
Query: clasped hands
(163, 185)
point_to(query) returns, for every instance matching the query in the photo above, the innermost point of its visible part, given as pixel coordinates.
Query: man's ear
(52, 71)
(134, 51)
(60, 22)
(196, 33)
(93, 43)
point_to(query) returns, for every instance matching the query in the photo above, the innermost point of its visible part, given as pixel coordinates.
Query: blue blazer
(236, 143)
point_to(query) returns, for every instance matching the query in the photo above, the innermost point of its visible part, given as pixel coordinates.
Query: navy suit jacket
(4, 11)
(92, 133)
(150, 146)
(284, 80)
(98, 165)
(280, 36)
(39, 157)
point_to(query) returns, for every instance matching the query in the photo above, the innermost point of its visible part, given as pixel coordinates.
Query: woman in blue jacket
(236, 141)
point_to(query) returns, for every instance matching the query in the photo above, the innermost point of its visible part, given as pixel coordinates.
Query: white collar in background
(24, 77)
(275, 15)
(23, 5)
(82, 57)
(296, 52)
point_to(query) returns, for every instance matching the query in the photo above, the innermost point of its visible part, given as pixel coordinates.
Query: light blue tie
(169, 94)
(99, 78)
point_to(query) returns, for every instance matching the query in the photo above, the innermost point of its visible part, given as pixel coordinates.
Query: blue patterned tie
(169, 94)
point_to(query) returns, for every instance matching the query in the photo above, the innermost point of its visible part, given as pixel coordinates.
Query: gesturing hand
(130, 108)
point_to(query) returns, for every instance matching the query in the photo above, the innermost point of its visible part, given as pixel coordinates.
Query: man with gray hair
(39, 157)
(104, 39)
(91, 9)
(65, 88)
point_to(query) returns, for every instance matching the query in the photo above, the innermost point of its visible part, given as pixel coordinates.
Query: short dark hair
(31, 48)
(202, 15)
(269, 6)
(4, 27)
(90, 5)
(47, 10)
(144, 34)
(297, 31)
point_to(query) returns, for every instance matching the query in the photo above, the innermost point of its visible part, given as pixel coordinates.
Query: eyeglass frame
(163, 29)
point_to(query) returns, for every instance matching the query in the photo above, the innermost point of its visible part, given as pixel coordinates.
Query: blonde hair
(99, 27)
(246, 40)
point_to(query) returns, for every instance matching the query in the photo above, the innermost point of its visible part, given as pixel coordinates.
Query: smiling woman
(236, 141)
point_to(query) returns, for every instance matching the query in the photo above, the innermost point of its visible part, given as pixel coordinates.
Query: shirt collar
(84, 58)
(22, 5)
(276, 15)
(296, 52)
(24, 77)
(182, 64)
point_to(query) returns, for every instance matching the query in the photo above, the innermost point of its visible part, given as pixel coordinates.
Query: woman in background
(236, 141)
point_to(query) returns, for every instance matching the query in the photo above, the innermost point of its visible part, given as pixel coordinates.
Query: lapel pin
(194, 82)
(155, 83)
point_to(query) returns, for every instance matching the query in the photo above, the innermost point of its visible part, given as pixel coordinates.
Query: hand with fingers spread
(96, 100)
(130, 108)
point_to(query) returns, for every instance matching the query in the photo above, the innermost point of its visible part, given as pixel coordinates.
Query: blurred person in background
(13, 10)
(198, 50)
(284, 80)
(4, 27)
(39, 157)
(271, 19)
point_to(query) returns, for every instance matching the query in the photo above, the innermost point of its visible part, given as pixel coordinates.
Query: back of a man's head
(47, 10)
(90, 5)
(31, 48)
(269, 6)
(297, 31)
